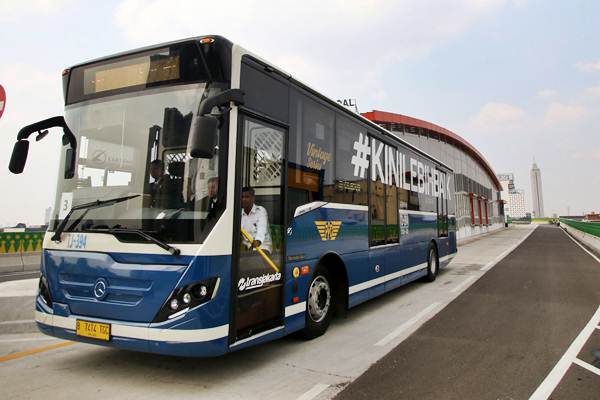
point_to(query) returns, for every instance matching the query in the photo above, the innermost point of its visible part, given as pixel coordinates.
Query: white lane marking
(463, 284)
(587, 366)
(398, 331)
(560, 369)
(37, 339)
(20, 288)
(17, 321)
(314, 392)
(505, 253)
(580, 245)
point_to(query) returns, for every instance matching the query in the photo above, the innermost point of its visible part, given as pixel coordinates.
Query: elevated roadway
(493, 325)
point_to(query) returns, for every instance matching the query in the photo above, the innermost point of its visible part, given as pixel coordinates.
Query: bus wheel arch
(329, 270)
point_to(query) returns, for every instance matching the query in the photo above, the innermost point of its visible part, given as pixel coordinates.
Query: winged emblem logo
(328, 230)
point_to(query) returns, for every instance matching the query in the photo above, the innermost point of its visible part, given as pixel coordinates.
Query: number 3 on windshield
(66, 202)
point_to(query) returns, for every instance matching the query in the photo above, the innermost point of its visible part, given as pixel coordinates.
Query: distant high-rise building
(536, 191)
(514, 198)
(47, 213)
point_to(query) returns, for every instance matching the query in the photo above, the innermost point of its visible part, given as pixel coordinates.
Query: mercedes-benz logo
(100, 288)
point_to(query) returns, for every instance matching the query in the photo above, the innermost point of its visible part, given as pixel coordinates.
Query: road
(501, 337)
(381, 350)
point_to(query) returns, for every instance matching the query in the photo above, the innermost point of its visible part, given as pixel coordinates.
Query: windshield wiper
(87, 207)
(173, 250)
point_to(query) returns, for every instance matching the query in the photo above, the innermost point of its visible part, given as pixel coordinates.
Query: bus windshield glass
(136, 144)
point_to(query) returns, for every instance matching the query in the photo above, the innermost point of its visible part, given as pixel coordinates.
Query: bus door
(442, 208)
(258, 234)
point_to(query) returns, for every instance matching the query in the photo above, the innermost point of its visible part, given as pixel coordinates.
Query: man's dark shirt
(212, 206)
(162, 193)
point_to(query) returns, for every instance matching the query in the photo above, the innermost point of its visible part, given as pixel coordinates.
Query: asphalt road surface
(504, 335)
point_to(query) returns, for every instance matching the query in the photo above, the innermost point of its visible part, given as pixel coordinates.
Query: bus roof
(282, 72)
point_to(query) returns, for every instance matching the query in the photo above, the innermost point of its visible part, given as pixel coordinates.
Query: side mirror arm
(21, 148)
(231, 95)
(39, 126)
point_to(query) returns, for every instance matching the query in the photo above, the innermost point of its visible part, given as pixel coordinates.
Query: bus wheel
(432, 264)
(318, 305)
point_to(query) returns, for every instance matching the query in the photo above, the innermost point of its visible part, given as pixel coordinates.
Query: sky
(518, 79)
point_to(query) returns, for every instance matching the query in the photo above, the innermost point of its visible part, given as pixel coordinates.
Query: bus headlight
(44, 291)
(187, 297)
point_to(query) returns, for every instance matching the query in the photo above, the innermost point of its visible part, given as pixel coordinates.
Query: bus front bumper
(178, 340)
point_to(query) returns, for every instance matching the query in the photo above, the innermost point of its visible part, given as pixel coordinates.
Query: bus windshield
(136, 144)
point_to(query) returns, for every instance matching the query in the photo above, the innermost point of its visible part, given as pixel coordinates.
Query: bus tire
(319, 307)
(433, 263)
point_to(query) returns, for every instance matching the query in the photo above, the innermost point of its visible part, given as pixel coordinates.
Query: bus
(208, 201)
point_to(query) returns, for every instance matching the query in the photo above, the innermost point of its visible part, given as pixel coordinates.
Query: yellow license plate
(94, 330)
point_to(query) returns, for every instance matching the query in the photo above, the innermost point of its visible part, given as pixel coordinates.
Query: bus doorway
(442, 207)
(258, 269)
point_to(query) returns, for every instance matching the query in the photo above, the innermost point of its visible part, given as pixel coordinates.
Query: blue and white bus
(169, 150)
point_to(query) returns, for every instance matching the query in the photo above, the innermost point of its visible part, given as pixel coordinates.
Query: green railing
(21, 242)
(593, 228)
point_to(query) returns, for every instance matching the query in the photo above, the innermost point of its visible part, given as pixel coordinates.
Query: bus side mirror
(203, 137)
(19, 156)
(69, 163)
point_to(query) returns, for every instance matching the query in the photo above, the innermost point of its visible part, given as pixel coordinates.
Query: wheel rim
(432, 262)
(319, 299)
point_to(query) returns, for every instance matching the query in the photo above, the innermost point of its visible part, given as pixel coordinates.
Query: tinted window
(349, 188)
(311, 154)
(265, 91)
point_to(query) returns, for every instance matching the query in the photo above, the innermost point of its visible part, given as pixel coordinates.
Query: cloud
(591, 66)
(547, 94)
(592, 155)
(329, 45)
(559, 113)
(593, 91)
(495, 116)
(14, 10)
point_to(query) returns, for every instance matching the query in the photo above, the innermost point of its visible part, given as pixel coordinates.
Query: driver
(160, 189)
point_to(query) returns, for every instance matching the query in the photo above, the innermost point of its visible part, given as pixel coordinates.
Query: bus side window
(311, 157)
(349, 188)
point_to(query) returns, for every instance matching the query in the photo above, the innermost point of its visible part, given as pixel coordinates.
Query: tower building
(536, 191)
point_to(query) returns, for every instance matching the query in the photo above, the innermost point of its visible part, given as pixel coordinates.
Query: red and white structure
(479, 207)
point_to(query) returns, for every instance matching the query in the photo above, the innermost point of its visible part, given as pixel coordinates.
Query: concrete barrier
(586, 238)
(20, 262)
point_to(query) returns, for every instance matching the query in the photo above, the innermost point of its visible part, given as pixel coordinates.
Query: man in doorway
(255, 221)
